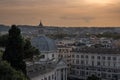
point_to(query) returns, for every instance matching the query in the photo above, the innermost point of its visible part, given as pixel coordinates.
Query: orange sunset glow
(61, 12)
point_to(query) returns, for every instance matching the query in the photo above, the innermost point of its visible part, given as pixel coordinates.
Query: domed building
(46, 46)
(49, 66)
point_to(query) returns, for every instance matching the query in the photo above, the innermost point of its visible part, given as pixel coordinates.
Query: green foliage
(57, 36)
(1, 53)
(29, 50)
(8, 73)
(60, 35)
(109, 35)
(3, 40)
(93, 77)
(15, 50)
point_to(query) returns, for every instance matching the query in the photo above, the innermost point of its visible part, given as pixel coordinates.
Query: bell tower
(40, 25)
(41, 28)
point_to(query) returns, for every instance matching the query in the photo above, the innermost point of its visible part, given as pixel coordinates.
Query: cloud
(61, 12)
(114, 8)
(86, 19)
(6, 3)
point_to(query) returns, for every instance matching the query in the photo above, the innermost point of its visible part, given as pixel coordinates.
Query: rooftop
(98, 50)
(44, 43)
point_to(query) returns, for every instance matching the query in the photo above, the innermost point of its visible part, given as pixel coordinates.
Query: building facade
(105, 65)
(103, 62)
(48, 66)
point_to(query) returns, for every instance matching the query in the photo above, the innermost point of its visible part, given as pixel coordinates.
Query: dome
(44, 43)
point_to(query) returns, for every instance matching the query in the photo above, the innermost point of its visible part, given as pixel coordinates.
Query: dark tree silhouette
(3, 40)
(29, 50)
(15, 49)
(8, 73)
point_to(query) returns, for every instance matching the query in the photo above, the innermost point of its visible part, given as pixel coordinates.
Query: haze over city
(59, 39)
(61, 12)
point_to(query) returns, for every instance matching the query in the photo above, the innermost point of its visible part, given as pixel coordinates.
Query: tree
(3, 40)
(29, 50)
(93, 77)
(8, 73)
(14, 50)
(1, 55)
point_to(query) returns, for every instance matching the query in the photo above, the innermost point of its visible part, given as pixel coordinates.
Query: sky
(60, 12)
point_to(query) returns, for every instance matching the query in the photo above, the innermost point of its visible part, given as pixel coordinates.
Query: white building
(86, 61)
(104, 63)
(49, 66)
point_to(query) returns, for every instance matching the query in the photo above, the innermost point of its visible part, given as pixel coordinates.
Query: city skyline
(60, 12)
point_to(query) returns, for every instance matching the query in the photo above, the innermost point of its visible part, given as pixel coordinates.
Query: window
(92, 63)
(103, 57)
(98, 57)
(114, 64)
(52, 55)
(109, 58)
(77, 72)
(109, 76)
(77, 56)
(73, 56)
(77, 67)
(86, 56)
(92, 57)
(114, 58)
(87, 73)
(99, 74)
(108, 63)
(82, 73)
(98, 63)
(77, 61)
(73, 61)
(82, 62)
(82, 56)
(59, 50)
(45, 79)
(87, 62)
(103, 63)
(65, 56)
(104, 75)
(61, 56)
(42, 56)
(49, 78)
(52, 76)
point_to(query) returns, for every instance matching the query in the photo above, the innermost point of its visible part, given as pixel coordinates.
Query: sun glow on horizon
(61, 12)
(100, 2)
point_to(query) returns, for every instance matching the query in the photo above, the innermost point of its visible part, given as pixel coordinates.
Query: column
(66, 73)
(59, 74)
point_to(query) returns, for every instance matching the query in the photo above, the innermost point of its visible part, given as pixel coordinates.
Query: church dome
(44, 43)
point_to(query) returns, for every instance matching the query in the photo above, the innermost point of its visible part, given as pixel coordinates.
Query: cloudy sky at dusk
(61, 12)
